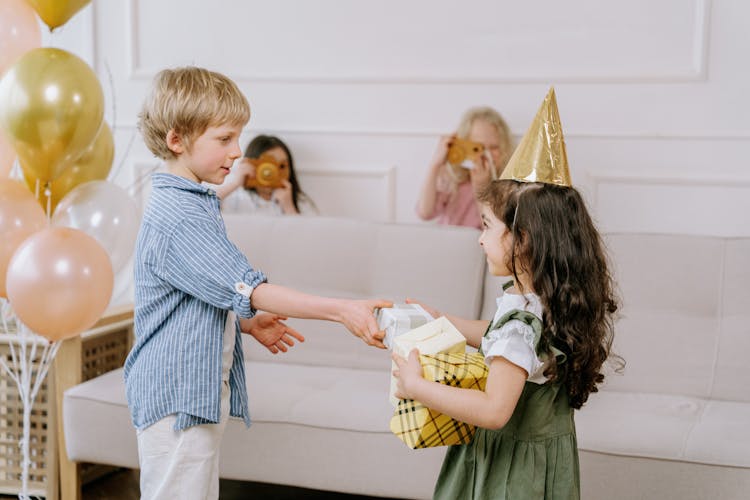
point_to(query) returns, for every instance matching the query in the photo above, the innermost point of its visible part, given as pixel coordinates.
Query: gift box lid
(434, 337)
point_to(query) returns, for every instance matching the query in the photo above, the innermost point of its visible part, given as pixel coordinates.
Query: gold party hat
(541, 155)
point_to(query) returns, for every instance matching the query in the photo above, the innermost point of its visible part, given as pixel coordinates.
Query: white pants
(182, 464)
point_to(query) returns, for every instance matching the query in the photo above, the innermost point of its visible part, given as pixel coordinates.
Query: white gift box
(437, 336)
(399, 319)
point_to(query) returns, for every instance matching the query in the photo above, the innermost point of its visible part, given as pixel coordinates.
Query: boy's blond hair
(189, 100)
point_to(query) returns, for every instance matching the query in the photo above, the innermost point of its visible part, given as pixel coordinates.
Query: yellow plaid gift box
(421, 427)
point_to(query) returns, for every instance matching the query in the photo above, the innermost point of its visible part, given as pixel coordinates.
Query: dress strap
(533, 321)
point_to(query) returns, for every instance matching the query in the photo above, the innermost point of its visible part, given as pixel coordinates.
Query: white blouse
(514, 340)
(242, 201)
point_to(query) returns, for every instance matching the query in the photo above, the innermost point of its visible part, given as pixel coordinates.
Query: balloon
(20, 217)
(59, 282)
(19, 31)
(93, 165)
(57, 12)
(51, 107)
(105, 212)
(7, 157)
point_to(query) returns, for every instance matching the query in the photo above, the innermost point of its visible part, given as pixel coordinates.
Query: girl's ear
(175, 142)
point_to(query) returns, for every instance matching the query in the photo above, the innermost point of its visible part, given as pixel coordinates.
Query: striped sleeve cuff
(244, 289)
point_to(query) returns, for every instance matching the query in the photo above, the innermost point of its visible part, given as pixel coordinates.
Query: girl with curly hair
(545, 348)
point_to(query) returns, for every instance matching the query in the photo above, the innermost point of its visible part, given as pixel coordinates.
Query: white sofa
(674, 425)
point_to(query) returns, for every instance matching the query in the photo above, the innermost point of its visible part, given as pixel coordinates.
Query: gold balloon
(51, 107)
(93, 165)
(55, 13)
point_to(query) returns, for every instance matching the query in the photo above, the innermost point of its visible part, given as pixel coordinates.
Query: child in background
(449, 192)
(195, 292)
(289, 199)
(545, 347)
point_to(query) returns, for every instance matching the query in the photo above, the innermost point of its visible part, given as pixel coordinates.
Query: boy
(185, 373)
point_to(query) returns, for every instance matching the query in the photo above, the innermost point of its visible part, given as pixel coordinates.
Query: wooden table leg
(68, 372)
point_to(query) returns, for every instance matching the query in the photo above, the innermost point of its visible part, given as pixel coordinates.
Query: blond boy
(195, 291)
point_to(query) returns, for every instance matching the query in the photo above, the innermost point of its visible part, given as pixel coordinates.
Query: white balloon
(105, 212)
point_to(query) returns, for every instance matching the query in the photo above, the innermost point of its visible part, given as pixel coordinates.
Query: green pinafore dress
(534, 456)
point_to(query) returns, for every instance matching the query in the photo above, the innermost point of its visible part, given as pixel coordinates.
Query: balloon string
(141, 180)
(48, 194)
(113, 174)
(116, 171)
(28, 379)
(112, 92)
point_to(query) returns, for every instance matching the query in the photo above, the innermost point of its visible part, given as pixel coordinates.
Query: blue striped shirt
(187, 276)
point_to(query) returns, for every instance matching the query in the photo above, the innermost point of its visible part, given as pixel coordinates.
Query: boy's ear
(175, 142)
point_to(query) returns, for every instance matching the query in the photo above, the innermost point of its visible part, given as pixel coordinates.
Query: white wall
(653, 95)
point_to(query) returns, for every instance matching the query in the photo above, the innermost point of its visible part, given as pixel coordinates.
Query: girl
(544, 348)
(286, 200)
(449, 191)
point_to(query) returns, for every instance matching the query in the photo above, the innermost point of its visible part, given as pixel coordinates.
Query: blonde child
(195, 292)
(289, 199)
(449, 192)
(547, 343)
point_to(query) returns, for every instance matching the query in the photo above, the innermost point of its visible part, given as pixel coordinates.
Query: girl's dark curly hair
(554, 240)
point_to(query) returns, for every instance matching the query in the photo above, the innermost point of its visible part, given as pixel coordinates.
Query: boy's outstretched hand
(358, 317)
(269, 330)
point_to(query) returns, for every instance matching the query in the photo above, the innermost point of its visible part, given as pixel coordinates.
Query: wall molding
(739, 136)
(682, 179)
(697, 73)
(387, 176)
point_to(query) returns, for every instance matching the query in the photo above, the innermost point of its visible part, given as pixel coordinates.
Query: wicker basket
(104, 348)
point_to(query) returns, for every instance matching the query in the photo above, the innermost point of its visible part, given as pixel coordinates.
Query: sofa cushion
(318, 396)
(297, 411)
(326, 344)
(443, 266)
(360, 260)
(663, 426)
(731, 377)
(97, 422)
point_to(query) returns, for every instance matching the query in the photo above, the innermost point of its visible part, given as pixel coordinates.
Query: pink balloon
(19, 31)
(20, 217)
(7, 157)
(59, 282)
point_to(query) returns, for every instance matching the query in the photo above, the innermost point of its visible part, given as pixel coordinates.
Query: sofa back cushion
(442, 266)
(684, 322)
(685, 316)
(731, 377)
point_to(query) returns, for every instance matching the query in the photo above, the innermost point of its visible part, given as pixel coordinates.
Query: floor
(123, 485)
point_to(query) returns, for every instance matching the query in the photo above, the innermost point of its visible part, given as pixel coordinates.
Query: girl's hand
(283, 196)
(481, 174)
(359, 318)
(269, 330)
(433, 312)
(440, 156)
(407, 372)
(240, 171)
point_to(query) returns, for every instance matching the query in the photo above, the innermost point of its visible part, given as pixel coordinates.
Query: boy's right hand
(358, 317)
(433, 312)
